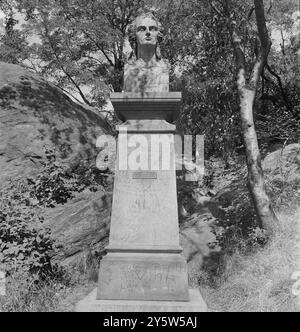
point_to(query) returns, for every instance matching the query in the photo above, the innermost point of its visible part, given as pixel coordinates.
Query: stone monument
(144, 269)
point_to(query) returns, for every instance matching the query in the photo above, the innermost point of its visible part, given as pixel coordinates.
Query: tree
(281, 76)
(247, 88)
(78, 45)
(13, 44)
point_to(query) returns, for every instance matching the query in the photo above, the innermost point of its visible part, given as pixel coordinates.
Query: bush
(24, 243)
(56, 184)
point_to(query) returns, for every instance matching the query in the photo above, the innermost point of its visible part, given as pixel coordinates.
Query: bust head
(145, 33)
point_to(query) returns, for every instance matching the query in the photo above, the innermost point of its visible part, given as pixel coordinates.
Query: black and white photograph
(149, 159)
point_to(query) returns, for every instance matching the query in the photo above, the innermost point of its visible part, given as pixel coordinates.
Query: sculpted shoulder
(146, 71)
(139, 76)
(134, 63)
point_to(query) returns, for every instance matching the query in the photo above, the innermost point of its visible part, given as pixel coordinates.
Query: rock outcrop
(80, 226)
(283, 164)
(34, 114)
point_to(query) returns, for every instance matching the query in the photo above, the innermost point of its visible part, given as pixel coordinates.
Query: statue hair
(132, 35)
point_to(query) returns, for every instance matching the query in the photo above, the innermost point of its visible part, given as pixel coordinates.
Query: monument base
(143, 277)
(91, 304)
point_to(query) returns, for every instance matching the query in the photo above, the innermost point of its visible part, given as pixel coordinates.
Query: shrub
(24, 243)
(56, 184)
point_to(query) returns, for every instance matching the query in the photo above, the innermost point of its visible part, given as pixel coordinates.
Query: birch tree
(247, 84)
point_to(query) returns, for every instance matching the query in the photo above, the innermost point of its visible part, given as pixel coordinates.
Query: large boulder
(34, 114)
(283, 165)
(282, 175)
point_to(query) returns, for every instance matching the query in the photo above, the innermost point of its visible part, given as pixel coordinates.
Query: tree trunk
(247, 91)
(256, 182)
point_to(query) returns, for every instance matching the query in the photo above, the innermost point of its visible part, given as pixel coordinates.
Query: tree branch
(261, 24)
(250, 13)
(284, 96)
(282, 45)
(270, 7)
(265, 44)
(67, 15)
(237, 46)
(99, 47)
(60, 64)
(77, 87)
(67, 92)
(216, 9)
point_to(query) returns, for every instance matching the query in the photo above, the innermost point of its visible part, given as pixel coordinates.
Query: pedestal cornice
(147, 106)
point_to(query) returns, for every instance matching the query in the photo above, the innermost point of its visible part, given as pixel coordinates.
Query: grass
(23, 296)
(51, 295)
(259, 281)
(47, 296)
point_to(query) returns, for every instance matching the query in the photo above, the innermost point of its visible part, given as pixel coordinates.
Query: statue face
(146, 32)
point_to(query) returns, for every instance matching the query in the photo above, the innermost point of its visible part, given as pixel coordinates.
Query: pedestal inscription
(143, 277)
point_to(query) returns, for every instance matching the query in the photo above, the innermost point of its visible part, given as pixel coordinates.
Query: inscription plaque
(144, 175)
(149, 277)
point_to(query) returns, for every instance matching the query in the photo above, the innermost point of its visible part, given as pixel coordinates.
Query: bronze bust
(145, 70)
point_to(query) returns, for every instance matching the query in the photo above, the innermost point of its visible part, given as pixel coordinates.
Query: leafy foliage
(13, 43)
(24, 243)
(79, 45)
(57, 184)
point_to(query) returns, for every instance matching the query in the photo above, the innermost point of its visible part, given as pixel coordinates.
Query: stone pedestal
(144, 260)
